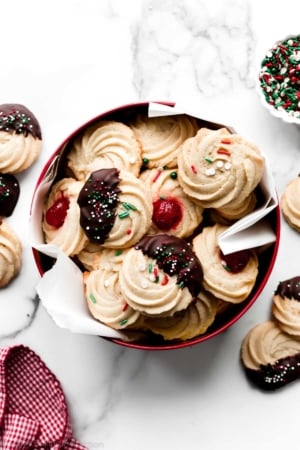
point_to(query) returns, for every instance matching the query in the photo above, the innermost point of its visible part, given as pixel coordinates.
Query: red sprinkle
(165, 280)
(223, 151)
(129, 231)
(155, 272)
(194, 169)
(225, 141)
(125, 306)
(156, 176)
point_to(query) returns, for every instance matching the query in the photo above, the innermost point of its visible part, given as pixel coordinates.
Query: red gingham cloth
(33, 409)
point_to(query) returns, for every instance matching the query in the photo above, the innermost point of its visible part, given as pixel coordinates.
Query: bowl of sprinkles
(279, 79)
(136, 205)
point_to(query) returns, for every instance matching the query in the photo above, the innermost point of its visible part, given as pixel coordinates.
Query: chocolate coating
(9, 194)
(18, 118)
(98, 200)
(277, 375)
(289, 289)
(175, 257)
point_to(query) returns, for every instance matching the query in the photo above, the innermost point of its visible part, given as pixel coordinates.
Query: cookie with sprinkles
(270, 357)
(104, 145)
(286, 305)
(217, 168)
(115, 208)
(20, 138)
(279, 77)
(160, 275)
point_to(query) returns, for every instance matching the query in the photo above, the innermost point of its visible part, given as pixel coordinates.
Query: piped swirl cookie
(20, 138)
(231, 277)
(160, 275)
(173, 211)
(188, 323)
(271, 358)
(103, 145)
(290, 203)
(10, 254)
(115, 208)
(61, 217)
(105, 300)
(286, 306)
(218, 168)
(161, 138)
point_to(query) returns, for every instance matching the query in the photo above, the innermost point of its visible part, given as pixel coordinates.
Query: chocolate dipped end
(9, 194)
(175, 257)
(274, 376)
(289, 289)
(98, 200)
(18, 118)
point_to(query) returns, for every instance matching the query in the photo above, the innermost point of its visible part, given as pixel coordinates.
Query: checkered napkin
(33, 410)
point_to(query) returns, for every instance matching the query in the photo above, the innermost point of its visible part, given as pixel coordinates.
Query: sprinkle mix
(15, 121)
(220, 163)
(280, 76)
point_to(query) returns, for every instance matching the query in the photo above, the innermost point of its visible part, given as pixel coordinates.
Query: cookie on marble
(104, 145)
(188, 323)
(270, 357)
(115, 208)
(173, 211)
(231, 277)
(61, 216)
(286, 306)
(160, 275)
(20, 138)
(161, 138)
(290, 203)
(10, 254)
(218, 169)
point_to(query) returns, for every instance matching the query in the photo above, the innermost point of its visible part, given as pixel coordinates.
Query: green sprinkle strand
(123, 322)
(118, 252)
(123, 214)
(129, 206)
(92, 298)
(209, 160)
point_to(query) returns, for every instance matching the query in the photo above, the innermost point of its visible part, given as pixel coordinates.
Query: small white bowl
(278, 79)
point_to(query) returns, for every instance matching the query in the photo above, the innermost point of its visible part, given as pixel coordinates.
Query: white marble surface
(69, 60)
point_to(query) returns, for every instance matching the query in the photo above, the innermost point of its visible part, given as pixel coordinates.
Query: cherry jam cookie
(228, 277)
(20, 138)
(173, 211)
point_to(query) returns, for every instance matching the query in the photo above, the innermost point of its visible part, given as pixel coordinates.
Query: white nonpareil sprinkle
(142, 267)
(152, 277)
(132, 159)
(220, 164)
(227, 166)
(144, 284)
(106, 283)
(210, 172)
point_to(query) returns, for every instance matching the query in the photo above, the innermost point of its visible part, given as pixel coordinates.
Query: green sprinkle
(124, 214)
(118, 252)
(145, 161)
(173, 175)
(92, 298)
(181, 284)
(123, 322)
(129, 206)
(150, 267)
(209, 160)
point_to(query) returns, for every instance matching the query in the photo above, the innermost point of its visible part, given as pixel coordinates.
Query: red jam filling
(167, 213)
(235, 262)
(56, 214)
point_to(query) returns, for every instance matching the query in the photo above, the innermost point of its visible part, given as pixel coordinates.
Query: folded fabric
(33, 409)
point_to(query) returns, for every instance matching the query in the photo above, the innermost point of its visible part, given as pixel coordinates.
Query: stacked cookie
(270, 351)
(140, 207)
(20, 146)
